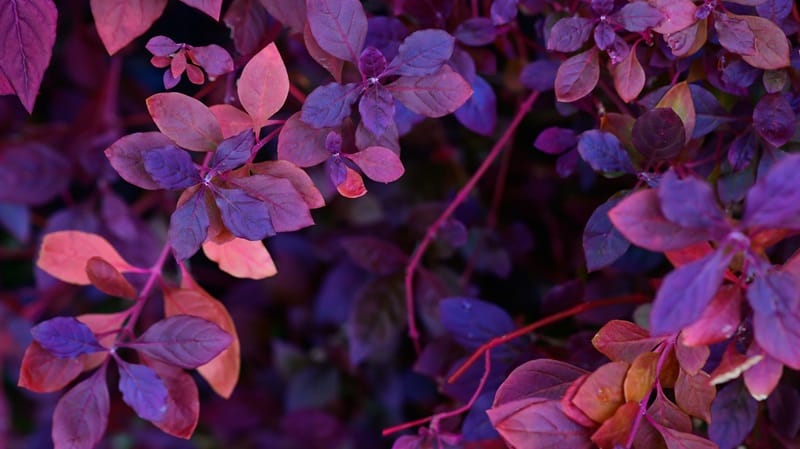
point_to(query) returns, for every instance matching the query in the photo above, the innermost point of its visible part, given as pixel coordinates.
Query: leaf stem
(141, 298)
(461, 196)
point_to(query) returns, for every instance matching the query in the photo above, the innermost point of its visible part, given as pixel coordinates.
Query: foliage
(631, 281)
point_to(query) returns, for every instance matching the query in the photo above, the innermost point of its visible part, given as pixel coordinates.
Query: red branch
(461, 196)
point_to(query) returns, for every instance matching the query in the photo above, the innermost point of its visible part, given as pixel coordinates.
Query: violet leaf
(604, 152)
(339, 26)
(170, 167)
(66, 337)
(81, 415)
(377, 109)
(603, 244)
(233, 151)
(244, 215)
(188, 225)
(422, 53)
(182, 340)
(329, 105)
(775, 299)
(142, 390)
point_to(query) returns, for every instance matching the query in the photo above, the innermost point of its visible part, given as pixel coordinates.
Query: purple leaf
(603, 244)
(541, 378)
(774, 201)
(377, 109)
(385, 34)
(183, 340)
(302, 144)
(170, 167)
(689, 202)
(733, 415)
(233, 151)
(735, 35)
(639, 218)
(29, 32)
(473, 322)
(66, 337)
(286, 209)
(162, 46)
(604, 152)
(378, 163)
(577, 76)
(214, 59)
(249, 21)
(774, 120)
(16, 219)
(604, 35)
(569, 34)
(538, 423)
(742, 151)
(476, 32)
(774, 10)
(659, 134)
(339, 26)
(602, 7)
(375, 255)
(244, 215)
(775, 299)
(32, 173)
(540, 75)
(376, 320)
(432, 95)
(503, 11)
(81, 415)
(422, 53)
(686, 292)
(784, 410)
(142, 390)
(479, 113)
(638, 16)
(328, 105)
(371, 63)
(188, 226)
(709, 113)
(291, 13)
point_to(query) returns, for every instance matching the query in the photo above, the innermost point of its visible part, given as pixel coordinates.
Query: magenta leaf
(28, 34)
(301, 143)
(328, 105)
(774, 201)
(233, 151)
(81, 415)
(476, 32)
(540, 378)
(639, 218)
(604, 35)
(577, 76)
(214, 59)
(378, 163)
(422, 53)
(371, 63)
(538, 423)
(183, 340)
(377, 109)
(603, 244)
(733, 415)
(170, 167)
(142, 390)
(686, 292)
(188, 226)
(775, 299)
(245, 216)
(689, 202)
(32, 173)
(339, 26)
(638, 16)
(432, 95)
(286, 210)
(774, 120)
(473, 322)
(604, 152)
(762, 378)
(162, 46)
(569, 34)
(66, 337)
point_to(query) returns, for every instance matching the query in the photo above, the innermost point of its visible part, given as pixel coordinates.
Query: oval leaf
(264, 85)
(183, 340)
(185, 120)
(64, 255)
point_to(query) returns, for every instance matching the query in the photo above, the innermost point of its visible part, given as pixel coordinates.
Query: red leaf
(538, 423)
(339, 26)
(108, 279)
(81, 415)
(577, 76)
(28, 34)
(623, 341)
(119, 22)
(353, 185)
(378, 163)
(540, 378)
(183, 404)
(628, 77)
(694, 393)
(188, 122)
(688, 254)
(64, 255)
(616, 429)
(666, 413)
(601, 394)
(241, 258)
(299, 179)
(640, 377)
(434, 95)
(222, 373)
(719, 321)
(210, 7)
(691, 358)
(263, 86)
(43, 372)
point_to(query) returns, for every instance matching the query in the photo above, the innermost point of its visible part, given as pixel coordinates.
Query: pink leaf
(232, 120)
(378, 163)
(762, 378)
(119, 22)
(433, 95)
(264, 85)
(538, 423)
(628, 77)
(540, 378)
(188, 122)
(241, 258)
(81, 415)
(64, 255)
(28, 34)
(210, 7)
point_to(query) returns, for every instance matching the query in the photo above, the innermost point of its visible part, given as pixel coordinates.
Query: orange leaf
(640, 376)
(353, 185)
(232, 120)
(222, 373)
(241, 258)
(64, 255)
(601, 393)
